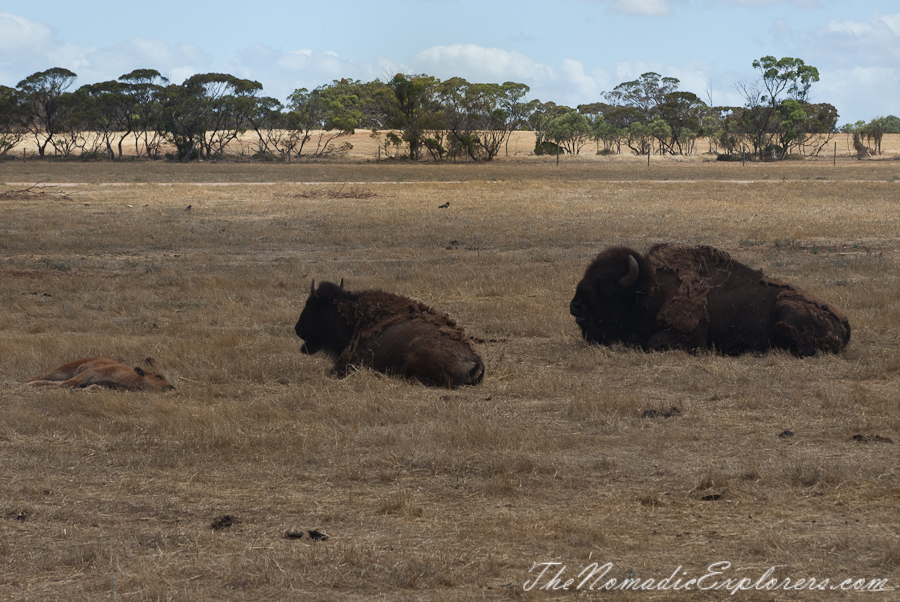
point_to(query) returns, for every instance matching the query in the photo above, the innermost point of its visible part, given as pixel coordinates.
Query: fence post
(834, 156)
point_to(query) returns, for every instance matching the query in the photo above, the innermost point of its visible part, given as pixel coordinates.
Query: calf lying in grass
(96, 372)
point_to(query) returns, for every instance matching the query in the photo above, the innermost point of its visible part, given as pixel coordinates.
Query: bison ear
(139, 372)
(632, 275)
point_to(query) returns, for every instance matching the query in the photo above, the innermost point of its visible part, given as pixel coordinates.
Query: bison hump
(688, 262)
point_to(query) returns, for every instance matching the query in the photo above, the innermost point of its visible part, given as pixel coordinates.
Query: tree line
(415, 117)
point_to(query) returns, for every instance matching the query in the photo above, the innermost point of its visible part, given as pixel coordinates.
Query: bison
(388, 333)
(692, 298)
(96, 372)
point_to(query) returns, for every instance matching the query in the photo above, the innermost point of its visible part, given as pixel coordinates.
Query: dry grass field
(428, 493)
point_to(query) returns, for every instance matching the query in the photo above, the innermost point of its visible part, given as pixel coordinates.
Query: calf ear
(139, 372)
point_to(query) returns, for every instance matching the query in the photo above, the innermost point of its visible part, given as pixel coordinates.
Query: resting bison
(96, 372)
(388, 333)
(699, 297)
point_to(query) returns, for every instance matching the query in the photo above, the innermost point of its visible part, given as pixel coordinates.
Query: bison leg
(44, 383)
(79, 380)
(59, 384)
(672, 338)
(342, 368)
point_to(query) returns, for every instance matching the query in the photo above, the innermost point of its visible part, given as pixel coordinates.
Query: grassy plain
(424, 493)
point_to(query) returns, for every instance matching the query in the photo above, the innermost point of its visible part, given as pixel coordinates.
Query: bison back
(422, 351)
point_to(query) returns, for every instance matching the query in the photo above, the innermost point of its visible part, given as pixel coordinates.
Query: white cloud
(892, 21)
(21, 37)
(24, 48)
(642, 8)
(480, 64)
(583, 85)
(764, 3)
(178, 75)
(870, 91)
(846, 44)
(568, 84)
(281, 72)
(27, 47)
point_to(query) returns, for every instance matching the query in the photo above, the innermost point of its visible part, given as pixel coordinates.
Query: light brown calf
(96, 372)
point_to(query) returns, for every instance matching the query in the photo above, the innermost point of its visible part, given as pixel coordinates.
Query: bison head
(321, 326)
(610, 301)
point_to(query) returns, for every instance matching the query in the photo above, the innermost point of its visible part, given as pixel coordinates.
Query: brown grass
(423, 493)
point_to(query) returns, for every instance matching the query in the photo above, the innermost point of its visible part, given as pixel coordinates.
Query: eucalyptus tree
(516, 107)
(570, 131)
(682, 112)
(655, 110)
(331, 110)
(41, 93)
(644, 93)
(226, 101)
(474, 117)
(12, 119)
(269, 124)
(145, 87)
(108, 109)
(539, 120)
(412, 109)
(183, 117)
(764, 120)
(206, 112)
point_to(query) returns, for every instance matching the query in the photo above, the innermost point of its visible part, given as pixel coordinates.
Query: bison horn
(633, 271)
(342, 283)
(312, 288)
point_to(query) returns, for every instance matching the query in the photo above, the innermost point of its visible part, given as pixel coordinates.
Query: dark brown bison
(96, 372)
(388, 333)
(699, 297)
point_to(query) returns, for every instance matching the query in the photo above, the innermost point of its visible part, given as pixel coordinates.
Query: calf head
(152, 380)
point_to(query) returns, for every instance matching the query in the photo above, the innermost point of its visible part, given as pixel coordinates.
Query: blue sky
(568, 51)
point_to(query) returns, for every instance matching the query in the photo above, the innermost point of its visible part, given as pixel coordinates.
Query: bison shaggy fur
(96, 372)
(699, 297)
(387, 333)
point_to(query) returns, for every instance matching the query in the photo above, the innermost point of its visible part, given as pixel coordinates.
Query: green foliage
(41, 96)
(332, 111)
(12, 119)
(650, 111)
(786, 73)
(644, 93)
(145, 87)
(448, 120)
(570, 131)
(412, 109)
